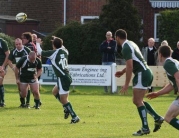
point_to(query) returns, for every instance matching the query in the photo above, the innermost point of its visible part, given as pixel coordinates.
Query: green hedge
(169, 27)
(10, 40)
(81, 40)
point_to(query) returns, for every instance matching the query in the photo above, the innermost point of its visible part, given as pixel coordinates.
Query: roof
(164, 3)
(13, 18)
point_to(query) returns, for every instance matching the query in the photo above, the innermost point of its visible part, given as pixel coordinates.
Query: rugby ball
(21, 17)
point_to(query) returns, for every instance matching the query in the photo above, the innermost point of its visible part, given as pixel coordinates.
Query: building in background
(52, 14)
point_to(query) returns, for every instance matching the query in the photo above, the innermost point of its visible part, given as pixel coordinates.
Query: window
(156, 27)
(86, 19)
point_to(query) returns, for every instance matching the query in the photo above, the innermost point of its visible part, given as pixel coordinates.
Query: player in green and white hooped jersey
(171, 67)
(4, 53)
(30, 68)
(59, 60)
(15, 55)
(143, 78)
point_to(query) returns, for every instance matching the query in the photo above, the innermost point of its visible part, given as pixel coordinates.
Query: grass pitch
(102, 115)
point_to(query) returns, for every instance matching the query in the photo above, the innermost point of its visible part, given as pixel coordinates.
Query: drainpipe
(64, 11)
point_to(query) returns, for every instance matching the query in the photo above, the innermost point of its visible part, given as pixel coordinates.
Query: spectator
(4, 53)
(149, 55)
(108, 48)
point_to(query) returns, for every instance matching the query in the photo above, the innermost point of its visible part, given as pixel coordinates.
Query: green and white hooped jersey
(131, 51)
(171, 66)
(17, 54)
(3, 48)
(59, 60)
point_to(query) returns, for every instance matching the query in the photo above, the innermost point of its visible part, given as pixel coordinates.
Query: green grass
(102, 115)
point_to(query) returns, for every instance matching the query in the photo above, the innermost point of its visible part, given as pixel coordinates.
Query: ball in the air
(21, 17)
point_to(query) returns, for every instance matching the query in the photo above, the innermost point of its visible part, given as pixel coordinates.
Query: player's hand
(39, 40)
(17, 81)
(119, 74)
(1, 68)
(2, 73)
(123, 90)
(35, 76)
(152, 95)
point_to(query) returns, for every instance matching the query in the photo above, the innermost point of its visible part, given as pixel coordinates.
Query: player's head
(18, 43)
(109, 35)
(120, 36)
(34, 38)
(164, 52)
(32, 56)
(26, 38)
(57, 42)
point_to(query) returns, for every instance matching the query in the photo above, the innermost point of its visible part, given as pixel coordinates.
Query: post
(113, 71)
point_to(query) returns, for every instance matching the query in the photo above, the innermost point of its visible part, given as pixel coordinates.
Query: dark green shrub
(169, 27)
(9, 39)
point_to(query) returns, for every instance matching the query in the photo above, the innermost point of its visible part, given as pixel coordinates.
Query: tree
(169, 27)
(83, 40)
(121, 14)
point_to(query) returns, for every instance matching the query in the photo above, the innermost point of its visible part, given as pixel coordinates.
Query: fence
(92, 75)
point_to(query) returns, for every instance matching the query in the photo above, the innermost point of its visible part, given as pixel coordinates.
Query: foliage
(9, 39)
(169, 27)
(83, 40)
(121, 14)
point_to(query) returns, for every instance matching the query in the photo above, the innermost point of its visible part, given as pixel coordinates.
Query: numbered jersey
(59, 60)
(171, 66)
(15, 54)
(3, 48)
(28, 69)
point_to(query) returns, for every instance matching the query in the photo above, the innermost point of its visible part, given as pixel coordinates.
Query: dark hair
(57, 42)
(165, 51)
(28, 36)
(121, 34)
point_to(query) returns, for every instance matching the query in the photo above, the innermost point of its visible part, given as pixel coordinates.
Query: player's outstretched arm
(120, 73)
(39, 49)
(168, 88)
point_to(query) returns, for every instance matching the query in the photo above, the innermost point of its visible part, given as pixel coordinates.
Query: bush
(10, 40)
(169, 27)
(81, 40)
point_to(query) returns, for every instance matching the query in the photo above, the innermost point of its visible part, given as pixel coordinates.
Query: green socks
(69, 108)
(22, 100)
(37, 102)
(143, 116)
(175, 123)
(1, 94)
(151, 111)
(28, 97)
(57, 96)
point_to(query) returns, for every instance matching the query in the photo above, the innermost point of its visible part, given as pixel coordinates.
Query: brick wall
(147, 14)
(78, 8)
(48, 13)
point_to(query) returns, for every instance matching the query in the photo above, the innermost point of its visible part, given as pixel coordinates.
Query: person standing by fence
(108, 49)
